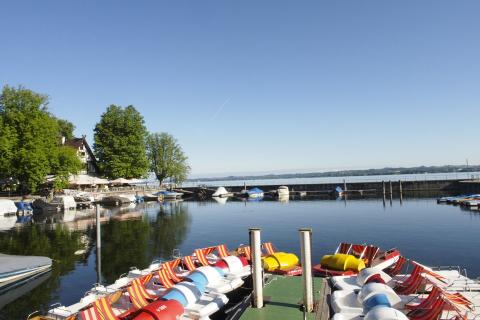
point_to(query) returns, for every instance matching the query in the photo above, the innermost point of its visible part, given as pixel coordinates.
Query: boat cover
(10, 264)
(280, 261)
(342, 262)
(255, 190)
(220, 191)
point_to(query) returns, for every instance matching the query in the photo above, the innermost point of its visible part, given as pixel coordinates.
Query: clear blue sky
(262, 86)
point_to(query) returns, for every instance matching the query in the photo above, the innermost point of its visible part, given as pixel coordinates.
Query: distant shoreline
(344, 173)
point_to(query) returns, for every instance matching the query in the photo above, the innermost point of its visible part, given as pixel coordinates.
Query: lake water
(434, 234)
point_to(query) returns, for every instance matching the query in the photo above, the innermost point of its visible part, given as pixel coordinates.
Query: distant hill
(343, 173)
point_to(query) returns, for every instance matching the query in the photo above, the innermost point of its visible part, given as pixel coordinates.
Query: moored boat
(255, 193)
(58, 203)
(7, 207)
(221, 192)
(14, 268)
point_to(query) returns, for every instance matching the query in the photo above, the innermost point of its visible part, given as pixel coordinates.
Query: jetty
(374, 188)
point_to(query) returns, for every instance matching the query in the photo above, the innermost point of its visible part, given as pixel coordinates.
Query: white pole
(305, 242)
(257, 271)
(99, 245)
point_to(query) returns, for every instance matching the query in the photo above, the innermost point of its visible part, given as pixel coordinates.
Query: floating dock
(283, 299)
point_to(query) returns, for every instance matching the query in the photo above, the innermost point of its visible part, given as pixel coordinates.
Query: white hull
(17, 277)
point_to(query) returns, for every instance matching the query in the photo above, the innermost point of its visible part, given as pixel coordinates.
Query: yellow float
(342, 262)
(279, 261)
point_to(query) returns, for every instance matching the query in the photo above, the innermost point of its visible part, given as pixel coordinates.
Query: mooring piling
(306, 249)
(99, 244)
(257, 271)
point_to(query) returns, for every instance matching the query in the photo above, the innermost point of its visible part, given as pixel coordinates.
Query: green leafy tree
(67, 163)
(29, 143)
(7, 149)
(66, 128)
(120, 143)
(166, 157)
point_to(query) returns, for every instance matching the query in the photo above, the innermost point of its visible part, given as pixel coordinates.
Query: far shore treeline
(31, 146)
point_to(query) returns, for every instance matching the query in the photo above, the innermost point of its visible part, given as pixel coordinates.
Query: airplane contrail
(220, 109)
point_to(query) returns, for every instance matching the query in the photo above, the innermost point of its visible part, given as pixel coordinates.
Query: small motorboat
(283, 192)
(221, 192)
(169, 195)
(7, 207)
(16, 268)
(150, 197)
(58, 203)
(114, 200)
(255, 193)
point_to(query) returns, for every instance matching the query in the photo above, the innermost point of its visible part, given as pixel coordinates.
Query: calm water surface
(434, 234)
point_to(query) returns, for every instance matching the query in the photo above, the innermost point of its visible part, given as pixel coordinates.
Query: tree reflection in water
(136, 243)
(129, 239)
(57, 243)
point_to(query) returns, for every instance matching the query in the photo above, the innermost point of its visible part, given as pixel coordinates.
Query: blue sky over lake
(262, 86)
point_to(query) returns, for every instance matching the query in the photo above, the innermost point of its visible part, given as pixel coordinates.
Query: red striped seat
(398, 267)
(170, 272)
(370, 254)
(358, 250)
(222, 251)
(343, 248)
(188, 263)
(246, 252)
(432, 313)
(164, 278)
(89, 314)
(269, 248)
(412, 283)
(202, 257)
(104, 309)
(426, 303)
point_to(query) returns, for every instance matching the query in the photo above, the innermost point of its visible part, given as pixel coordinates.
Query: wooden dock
(283, 300)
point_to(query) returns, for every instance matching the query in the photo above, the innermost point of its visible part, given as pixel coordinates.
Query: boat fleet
(209, 281)
(471, 200)
(405, 289)
(366, 283)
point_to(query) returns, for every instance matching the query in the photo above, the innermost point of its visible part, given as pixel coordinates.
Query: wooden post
(383, 188)
(344, 186)
(391, 190)
(400, 189)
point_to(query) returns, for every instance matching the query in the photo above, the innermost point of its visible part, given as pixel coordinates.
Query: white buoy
(257, 270)
(306, 248)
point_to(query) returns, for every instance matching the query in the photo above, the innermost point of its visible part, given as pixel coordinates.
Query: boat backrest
(370, 254)
(343, 248)
(89, 314)
(104, 309)
(268, 248)
(165, 279)
(412, 283)
(222, 251)
(201, 257)
(245, 250)
(358, 250)
(136, 297)
(431, 313)
(189, 264)
(170, 272)
(398, 267)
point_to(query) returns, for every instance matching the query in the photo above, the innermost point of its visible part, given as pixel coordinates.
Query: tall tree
(166, 157)
(120, 143)
(67, 163)
(65, 128)
(29, 143)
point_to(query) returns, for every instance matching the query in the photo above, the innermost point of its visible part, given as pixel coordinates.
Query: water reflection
(58, 243)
